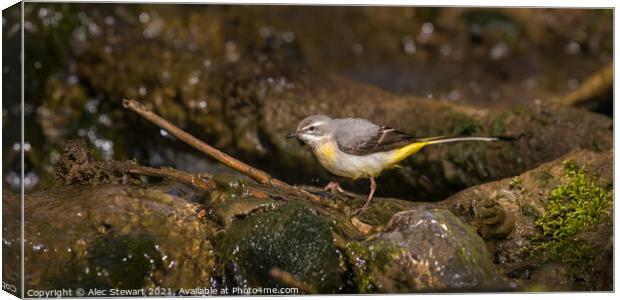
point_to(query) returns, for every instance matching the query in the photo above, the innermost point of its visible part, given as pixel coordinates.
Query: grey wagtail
(357, 148)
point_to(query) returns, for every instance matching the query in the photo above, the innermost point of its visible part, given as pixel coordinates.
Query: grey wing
(361, 137)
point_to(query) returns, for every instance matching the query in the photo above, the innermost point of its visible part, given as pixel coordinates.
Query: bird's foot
(332, 187)
(361, 209)
(373, 188)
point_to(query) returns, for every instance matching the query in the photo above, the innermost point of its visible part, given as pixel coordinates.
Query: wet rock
(490, 219)
(551, 223)
(114, 236)
(424, 250)
(291, 238)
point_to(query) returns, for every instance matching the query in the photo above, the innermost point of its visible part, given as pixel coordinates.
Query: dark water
(497, 58)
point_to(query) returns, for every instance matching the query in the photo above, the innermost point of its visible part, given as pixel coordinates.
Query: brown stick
(256, 174)
(596, 84)
(290, 280)
(201, 180)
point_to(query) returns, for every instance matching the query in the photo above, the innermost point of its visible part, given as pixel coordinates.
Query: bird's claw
(361, 209)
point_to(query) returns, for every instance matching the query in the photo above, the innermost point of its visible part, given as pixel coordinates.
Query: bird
(357, 148)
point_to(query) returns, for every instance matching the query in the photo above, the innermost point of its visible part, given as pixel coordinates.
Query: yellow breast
(326, 154)
(339, 163)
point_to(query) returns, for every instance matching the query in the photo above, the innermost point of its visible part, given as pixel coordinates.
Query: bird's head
(313, 130)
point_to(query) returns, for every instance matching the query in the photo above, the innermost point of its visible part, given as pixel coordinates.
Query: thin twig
(201, 180)
(290, 280)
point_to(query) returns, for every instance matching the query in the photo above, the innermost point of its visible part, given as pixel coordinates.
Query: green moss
(572, 208)
(359, 257)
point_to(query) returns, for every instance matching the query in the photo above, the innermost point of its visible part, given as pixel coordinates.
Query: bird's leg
(333, 186)
(373, 188)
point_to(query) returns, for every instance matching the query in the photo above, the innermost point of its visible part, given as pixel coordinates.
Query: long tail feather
(446, 139)
(416, 146)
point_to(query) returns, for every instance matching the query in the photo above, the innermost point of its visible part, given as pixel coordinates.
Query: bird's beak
(292, 135)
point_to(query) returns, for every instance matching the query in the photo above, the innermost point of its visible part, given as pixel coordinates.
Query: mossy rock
(291, 238)
(554, 217)
(572, 210)
(424, 250)
(123, 262)
(114, 236)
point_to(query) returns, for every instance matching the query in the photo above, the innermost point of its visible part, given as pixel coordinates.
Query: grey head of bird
(313, 130)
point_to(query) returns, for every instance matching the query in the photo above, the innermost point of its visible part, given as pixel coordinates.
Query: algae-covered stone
(424, 250)
(114, 236)
(291, 238)
(549, 228)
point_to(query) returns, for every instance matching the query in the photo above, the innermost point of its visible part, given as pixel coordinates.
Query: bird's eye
(311, 128)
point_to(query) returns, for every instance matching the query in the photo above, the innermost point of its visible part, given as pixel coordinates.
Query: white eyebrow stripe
(313, 124)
